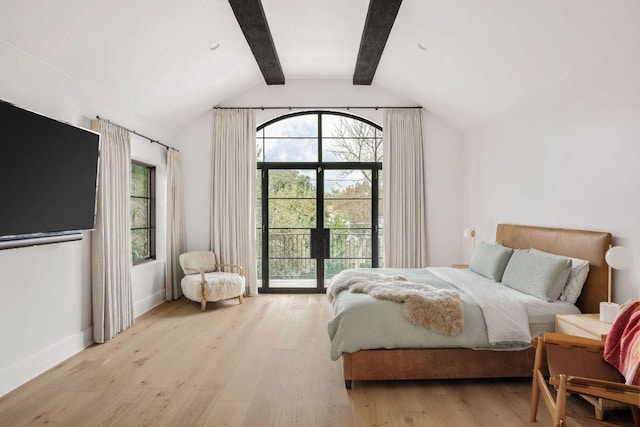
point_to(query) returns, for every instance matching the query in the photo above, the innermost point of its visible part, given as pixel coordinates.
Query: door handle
(325, 249)
(313, 245)
(319, 243)
(326, 239)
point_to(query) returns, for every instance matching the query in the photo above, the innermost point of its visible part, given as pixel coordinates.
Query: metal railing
(290, 255)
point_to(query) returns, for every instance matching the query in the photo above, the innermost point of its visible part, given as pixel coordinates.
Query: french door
(315, 220)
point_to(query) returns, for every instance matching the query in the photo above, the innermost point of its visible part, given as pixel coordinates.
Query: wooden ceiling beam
(253, 22)
(377, 27)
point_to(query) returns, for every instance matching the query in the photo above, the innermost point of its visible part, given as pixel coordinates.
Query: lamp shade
(618, 257)
(469, 233)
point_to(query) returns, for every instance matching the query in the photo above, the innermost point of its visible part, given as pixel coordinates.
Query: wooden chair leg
(561, 402)
(535, 397)
(535, 386)
(635, 412)
(241, 298)
(599, 412)
(203, 285)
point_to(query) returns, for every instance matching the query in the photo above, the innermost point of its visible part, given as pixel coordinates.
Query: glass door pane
(347, 216)
(292, 214)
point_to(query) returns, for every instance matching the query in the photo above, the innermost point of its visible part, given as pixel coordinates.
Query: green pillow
(490, 260)
(538, 275)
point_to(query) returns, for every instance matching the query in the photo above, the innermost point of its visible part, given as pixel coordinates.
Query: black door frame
(319, 167)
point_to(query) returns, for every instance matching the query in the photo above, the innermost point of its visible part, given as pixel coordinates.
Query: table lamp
(619, 258)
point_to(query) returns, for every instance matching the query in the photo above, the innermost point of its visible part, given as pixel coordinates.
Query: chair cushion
(219, 286)
(192, 262)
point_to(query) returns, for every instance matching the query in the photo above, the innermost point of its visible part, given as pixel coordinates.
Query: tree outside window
(142, 212)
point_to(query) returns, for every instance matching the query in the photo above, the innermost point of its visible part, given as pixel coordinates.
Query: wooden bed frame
(443, 363)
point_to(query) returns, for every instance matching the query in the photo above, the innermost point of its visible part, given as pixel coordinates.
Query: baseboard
(146, 304)
(25, 370)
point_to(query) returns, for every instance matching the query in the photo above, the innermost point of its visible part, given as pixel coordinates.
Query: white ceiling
(152, 55)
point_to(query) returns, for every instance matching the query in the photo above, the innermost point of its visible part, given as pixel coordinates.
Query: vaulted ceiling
(478, 57)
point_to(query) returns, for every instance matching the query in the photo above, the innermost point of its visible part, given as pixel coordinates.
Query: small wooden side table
(582, 325)
(588, 326)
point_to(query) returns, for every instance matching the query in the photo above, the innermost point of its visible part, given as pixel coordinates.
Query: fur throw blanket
(423, 305)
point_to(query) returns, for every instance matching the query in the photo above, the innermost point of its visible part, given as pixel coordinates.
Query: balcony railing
(290, 254)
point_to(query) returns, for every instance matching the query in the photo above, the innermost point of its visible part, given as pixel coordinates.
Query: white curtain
(405, 202)
(175, 225)
(111, 241)
(233, 191)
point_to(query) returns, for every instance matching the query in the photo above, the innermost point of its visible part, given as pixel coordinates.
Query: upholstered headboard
(587, 245)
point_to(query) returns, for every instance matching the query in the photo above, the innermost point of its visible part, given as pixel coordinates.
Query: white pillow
(577, 276)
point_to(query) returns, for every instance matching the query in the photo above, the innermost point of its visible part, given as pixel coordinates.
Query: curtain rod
(310, 108)
(139, 134)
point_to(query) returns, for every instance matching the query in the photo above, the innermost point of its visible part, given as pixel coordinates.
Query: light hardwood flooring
(263, 363)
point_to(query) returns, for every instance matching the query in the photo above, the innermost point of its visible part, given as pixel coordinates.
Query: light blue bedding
(362, 322)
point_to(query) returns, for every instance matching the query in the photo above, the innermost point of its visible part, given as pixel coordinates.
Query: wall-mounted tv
(48, 178)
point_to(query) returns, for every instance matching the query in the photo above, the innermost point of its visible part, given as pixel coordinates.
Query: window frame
(319, 136)
(320, 164)
(151, 212)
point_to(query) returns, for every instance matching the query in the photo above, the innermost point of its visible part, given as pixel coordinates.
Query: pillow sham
(540, 276)
(489, 260)
(577, 276)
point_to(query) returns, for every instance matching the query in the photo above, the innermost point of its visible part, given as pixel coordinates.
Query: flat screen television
(48, 178)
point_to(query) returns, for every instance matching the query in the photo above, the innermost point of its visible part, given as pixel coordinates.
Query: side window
(143, 247)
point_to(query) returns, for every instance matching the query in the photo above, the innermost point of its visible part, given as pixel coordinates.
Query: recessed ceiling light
(423, 46)
(214, 46)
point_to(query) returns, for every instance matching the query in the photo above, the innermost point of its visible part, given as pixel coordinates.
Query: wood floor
(263, 363)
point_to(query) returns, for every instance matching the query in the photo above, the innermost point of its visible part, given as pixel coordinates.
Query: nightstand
(460, 266)
(582, 325)
(587, 326)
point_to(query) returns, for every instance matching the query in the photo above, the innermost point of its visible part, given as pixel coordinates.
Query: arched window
(319, 192)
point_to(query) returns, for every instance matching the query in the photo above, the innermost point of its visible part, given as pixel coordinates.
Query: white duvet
(502, 307)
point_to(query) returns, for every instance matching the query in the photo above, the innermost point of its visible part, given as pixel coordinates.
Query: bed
(458, 362)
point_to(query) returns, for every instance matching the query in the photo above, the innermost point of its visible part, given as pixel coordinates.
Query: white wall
(567, 157)
(45, 311)
(443, 151)
(443, 159)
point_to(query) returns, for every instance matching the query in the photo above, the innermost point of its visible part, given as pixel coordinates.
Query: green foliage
(139, 244)
(292, 200)
(292, 213)
(290, 183)
(139, 180)
(140, 185)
